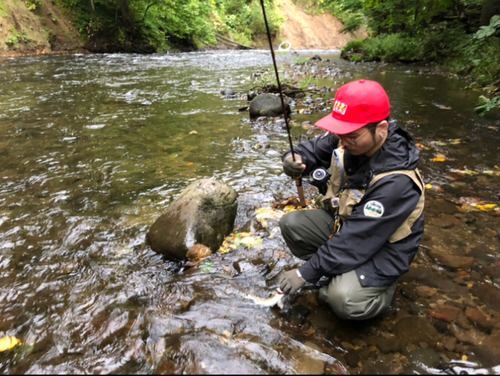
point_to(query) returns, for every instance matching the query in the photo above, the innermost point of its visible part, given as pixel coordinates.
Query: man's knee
(290, 222)
(338, 299)
(351, 304)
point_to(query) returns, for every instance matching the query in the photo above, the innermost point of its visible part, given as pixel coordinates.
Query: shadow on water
(94, 147)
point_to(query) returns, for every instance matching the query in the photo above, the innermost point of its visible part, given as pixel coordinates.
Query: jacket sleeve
(362, 236)
(316, 152)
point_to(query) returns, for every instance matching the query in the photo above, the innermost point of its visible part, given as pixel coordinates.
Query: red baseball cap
(356, 104)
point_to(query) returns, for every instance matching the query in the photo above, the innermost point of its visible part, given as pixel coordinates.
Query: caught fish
(270, 302)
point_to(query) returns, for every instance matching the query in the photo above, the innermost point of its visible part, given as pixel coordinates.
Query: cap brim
(339, 127)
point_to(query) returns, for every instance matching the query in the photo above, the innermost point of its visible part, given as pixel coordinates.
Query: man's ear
(382, 128)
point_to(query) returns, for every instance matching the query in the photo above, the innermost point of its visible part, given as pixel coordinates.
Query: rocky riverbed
(446, 314)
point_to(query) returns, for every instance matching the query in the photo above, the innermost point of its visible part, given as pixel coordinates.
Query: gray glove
(291, 282)
(291, 168)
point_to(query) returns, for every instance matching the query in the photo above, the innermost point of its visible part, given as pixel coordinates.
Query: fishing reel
(319, 178)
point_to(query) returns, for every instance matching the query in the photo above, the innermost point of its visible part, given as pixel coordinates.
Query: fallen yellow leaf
(190, 163)
(7, 343)
(464, 358)
(439, 160)
(428, 186)
(193, 132)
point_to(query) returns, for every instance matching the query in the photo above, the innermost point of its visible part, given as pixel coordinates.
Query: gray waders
(305, 232)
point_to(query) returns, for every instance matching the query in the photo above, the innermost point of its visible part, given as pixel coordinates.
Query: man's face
(365, 141)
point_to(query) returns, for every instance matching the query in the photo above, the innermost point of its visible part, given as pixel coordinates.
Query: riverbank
(44, 29)
(47, 29)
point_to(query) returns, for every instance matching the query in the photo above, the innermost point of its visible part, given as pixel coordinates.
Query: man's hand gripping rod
(298, 181)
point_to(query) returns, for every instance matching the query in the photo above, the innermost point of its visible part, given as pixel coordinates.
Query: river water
(95, 147)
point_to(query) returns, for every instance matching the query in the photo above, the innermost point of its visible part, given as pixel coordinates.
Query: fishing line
(299, 180)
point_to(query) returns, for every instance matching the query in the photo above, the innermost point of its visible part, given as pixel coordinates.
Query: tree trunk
(127, 19)
(490, 9)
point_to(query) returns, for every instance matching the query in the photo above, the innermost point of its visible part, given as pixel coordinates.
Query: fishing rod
(298, 181)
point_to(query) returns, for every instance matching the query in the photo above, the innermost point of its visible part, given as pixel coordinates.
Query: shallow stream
(95, 147)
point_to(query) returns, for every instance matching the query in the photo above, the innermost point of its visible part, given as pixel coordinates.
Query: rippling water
(94, 147)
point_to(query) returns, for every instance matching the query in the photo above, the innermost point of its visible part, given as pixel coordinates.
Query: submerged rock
(267, 105)
(204, 213)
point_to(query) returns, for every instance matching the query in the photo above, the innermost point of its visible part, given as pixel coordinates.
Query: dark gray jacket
(362, 242)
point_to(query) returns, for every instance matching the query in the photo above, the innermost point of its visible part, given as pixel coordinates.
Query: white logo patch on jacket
(373, 209)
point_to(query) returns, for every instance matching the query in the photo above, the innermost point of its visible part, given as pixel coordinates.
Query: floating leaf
(420, 146)
(7, 343)
(491, 172)
(252, 241)
(441, 107)
(465, 172)
(490, 206)
(245, 239)
(487, 207)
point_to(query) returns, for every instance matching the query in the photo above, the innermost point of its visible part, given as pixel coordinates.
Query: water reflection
(95, 146)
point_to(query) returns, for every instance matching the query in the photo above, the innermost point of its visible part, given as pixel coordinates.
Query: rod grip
(300, 190)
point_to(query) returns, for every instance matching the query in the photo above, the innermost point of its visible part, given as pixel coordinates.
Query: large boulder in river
(204, 213)
(267, 105)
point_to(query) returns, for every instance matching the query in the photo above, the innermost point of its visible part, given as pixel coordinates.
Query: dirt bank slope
(41, 30)
(305, 31)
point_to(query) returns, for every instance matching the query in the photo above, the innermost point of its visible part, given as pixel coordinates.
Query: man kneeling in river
(375, 195)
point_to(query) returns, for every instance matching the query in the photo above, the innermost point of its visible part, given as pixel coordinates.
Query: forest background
(459, 36)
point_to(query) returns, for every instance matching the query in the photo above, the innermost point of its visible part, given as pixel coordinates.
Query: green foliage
(16, 37)
(256, 21)
(307, 81)
(387, 47)
(300, 60)
(313, 7)
(349, 12)
(487, 105)
(186, 20)
(33, 4)
(490, 30)
(169, 23)
(3, 14)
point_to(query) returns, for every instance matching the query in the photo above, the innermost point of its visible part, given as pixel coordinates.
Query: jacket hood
(397, 153)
